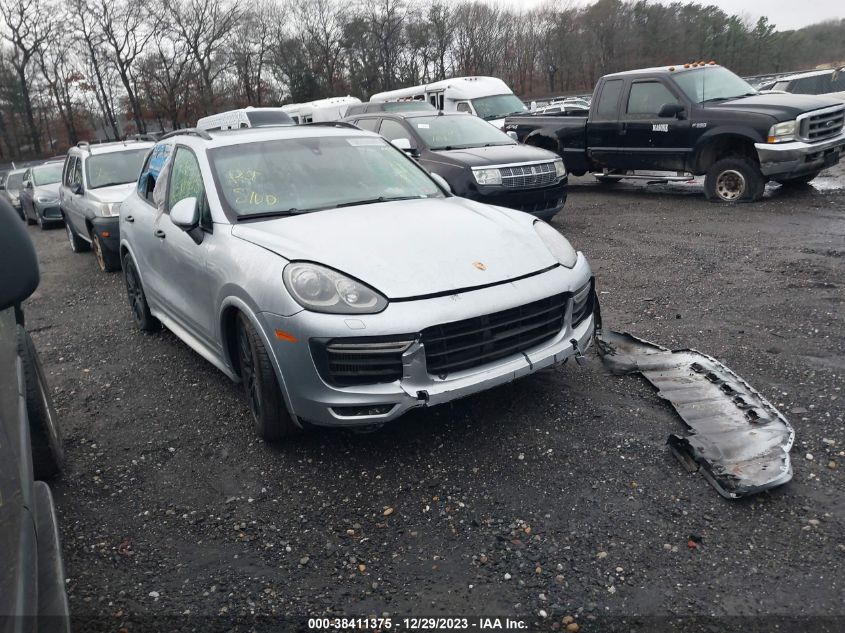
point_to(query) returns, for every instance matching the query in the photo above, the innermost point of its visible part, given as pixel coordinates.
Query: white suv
(95, 180)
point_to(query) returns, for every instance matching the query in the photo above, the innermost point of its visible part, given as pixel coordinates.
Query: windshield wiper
(112, 184)
(355, 203)
(272, 214)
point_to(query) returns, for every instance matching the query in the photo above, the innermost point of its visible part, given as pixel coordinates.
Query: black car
(698, 119)
(32, 581)
(477, 160)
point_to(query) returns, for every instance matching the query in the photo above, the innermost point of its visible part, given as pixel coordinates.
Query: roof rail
(333, 124)
(84, 145)
(191, 131)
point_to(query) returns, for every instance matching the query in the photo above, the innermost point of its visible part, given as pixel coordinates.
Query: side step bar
(653, 178)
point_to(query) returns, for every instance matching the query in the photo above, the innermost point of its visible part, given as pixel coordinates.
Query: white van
(244, 117)
(331, 109)
(486, 97)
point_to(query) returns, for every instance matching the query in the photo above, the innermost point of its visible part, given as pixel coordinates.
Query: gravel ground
(551, 497)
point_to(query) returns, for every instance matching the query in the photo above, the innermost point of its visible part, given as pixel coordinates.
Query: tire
(107, 262)
(141, 314)
(798, 181)
(77, 244)
(29, 220)
(608, 180)
(44, 430)
(734, 180)
(263, 395)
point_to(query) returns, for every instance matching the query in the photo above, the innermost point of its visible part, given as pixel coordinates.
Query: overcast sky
(785, 14)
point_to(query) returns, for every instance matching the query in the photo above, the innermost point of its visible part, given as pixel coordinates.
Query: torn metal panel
(736, 438)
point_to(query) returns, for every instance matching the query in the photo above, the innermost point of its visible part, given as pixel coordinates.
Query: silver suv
(337, 280)
(95, 180)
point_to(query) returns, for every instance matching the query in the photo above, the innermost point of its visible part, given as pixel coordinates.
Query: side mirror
(513, 135)
(76, 189)
(440, 180)
(405, 145)
(186, 214)
(669, 110)
(27, 184)
(2, 186)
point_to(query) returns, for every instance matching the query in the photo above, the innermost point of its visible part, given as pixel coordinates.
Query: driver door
(180, 262)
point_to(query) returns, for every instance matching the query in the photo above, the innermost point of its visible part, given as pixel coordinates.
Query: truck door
(649, 140)
(604, 128)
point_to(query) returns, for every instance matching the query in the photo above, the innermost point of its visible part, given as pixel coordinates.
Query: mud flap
(735, 437)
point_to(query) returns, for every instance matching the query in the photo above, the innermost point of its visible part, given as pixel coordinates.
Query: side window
(391, 130)
(76, 175)
(463, 106)
(608, 100)
(152, 168)
(185, 178)
(371, 125)
(647, 97)
(69, 165)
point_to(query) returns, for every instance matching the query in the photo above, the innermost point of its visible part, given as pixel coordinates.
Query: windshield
(14, 181)
(712, 84)
(310, 174)
(114, 168)
(47, 174)
(498, 106)
(459, 131)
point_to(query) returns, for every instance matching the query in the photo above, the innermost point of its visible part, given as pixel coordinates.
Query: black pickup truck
(693, 119)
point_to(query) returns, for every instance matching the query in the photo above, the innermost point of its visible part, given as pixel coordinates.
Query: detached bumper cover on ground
(739, 441)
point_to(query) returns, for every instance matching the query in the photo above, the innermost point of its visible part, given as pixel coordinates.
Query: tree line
(80, 69)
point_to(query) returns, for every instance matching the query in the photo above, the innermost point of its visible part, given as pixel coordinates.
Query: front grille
(521, 176)
(345, 362)
(472, 342)
(582, 302)
(821, 125)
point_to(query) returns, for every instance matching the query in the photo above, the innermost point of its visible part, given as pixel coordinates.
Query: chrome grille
(521, 176)
(472, 342)
(820, 125)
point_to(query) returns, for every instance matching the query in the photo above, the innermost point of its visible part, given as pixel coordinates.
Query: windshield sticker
(365, 140)
(423, 126)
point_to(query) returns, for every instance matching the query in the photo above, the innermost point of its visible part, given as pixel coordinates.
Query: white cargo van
(244, 117)
(331, 109)
(486, 97)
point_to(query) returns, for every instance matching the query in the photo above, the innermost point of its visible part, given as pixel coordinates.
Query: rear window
(257, 119)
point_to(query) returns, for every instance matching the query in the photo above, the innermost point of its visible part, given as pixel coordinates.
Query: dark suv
(32, 579)
(477, 160)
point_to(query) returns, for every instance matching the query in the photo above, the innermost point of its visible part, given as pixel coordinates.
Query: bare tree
(256, 35)
(29, 26)
(204, 26)
(319, 24)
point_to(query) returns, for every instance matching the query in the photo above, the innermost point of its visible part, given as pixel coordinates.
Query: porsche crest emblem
(479, 265)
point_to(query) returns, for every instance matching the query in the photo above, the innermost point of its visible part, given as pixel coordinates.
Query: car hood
(495, 155)
(410, 248)
(782, 107)
(114, 193)
(48, 191)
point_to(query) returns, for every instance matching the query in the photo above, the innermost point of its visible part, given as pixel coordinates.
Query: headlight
(321, 289)
(109, 208)
(560, 168)
(782, 132)
(558, 245)
(46, 199)
(487, 176)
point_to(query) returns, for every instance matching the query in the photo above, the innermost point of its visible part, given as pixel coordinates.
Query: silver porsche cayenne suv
(340, 282)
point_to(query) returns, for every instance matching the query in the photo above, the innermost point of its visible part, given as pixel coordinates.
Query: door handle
(160, 234)
(129, 218)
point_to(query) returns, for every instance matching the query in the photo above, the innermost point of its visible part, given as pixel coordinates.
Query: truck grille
(345, 362)
(472, 342)
(521, 176)
(821, 124)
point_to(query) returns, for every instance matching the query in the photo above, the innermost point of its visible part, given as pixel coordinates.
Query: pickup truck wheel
(137, 300)
(269, 414)
(734, 180)
(77, 244)
(44, 431)
(800, 180)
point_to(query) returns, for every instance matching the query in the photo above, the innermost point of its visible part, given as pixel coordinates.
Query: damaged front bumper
(737, 439)
(797, 158)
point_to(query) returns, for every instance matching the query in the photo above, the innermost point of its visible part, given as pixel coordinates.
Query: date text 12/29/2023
(417, 624)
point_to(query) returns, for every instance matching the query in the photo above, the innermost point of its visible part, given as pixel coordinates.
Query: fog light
(356, 412)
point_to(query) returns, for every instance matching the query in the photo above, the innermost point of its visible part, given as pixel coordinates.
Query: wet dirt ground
(551, 497)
